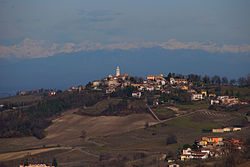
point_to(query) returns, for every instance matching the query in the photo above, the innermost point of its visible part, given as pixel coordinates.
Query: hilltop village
(163, 84)
(173, 120)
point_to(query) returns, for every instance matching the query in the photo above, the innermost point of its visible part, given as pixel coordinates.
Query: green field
(187, 122)
(195, 106)
(164, 112)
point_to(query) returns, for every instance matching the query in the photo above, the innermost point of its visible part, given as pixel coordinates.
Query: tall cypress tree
(54, 163)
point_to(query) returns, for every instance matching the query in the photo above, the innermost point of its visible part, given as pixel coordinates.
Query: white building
(213, 102)
(136, 94)
(36, 165)
(150, 88)
(236, 129)
(199, 156)
(223, 98)
(177, 81)
(174, 165)
(187, 151)
(197, 96)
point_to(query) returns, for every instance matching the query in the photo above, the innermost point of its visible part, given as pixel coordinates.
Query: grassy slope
(187, 122)
(163, 112)
(99, 107)
(195, 106)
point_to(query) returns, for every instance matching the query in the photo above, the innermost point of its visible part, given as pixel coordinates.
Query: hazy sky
(111, 21)
(141, 36)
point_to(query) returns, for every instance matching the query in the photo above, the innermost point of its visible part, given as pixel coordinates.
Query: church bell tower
(117, 71)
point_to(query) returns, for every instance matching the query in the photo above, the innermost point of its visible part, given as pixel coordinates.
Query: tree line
(216, 79)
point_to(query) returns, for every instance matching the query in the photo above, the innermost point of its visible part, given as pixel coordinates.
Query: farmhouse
(36, 165)
(236, 129)
(178, 81)
(136, 94)
(173, 165)
(149, 88)
(189, 154)
(217, 130)
(213, 102)
(197, 96)
(215, 140)
(225, 100)
(227, 129)
(155, 77)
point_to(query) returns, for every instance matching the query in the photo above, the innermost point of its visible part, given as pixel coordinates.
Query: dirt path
(153, 113)
(175, 109)
(21, 154)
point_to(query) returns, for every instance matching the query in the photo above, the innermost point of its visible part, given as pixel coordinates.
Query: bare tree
(216, 80)
(206, 79)
(248, 79)
(194, 78)
(224, 81)
(232, 82)
(242, 81)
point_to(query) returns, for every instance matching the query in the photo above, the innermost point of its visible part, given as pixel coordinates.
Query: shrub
(171, 139)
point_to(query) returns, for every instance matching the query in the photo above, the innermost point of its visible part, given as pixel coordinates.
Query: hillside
(111, 137)
(86, 125)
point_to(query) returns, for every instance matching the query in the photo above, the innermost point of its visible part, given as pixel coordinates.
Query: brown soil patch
(68, 128)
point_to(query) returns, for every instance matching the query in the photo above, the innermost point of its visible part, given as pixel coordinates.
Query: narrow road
(153, 113)
(183, 115)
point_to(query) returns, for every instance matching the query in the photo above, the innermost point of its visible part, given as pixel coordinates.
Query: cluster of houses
(114, 81)
(210, 147)
(75, 89)
(37, 91)
(158, 83)
(35, 165)
(151, 83)
(227, 129)
(29, 92)
(226, 101)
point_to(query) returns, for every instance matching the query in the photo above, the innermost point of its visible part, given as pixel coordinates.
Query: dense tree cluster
(124, 107)
(171, 139)
(216, 79)
(124, 92)
(34, 119)
(178, 95)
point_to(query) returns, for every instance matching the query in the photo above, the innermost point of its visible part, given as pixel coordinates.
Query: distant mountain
(65, 70)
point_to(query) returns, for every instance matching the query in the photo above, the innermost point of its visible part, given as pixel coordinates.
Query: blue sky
(111, 21)
(40, 38)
